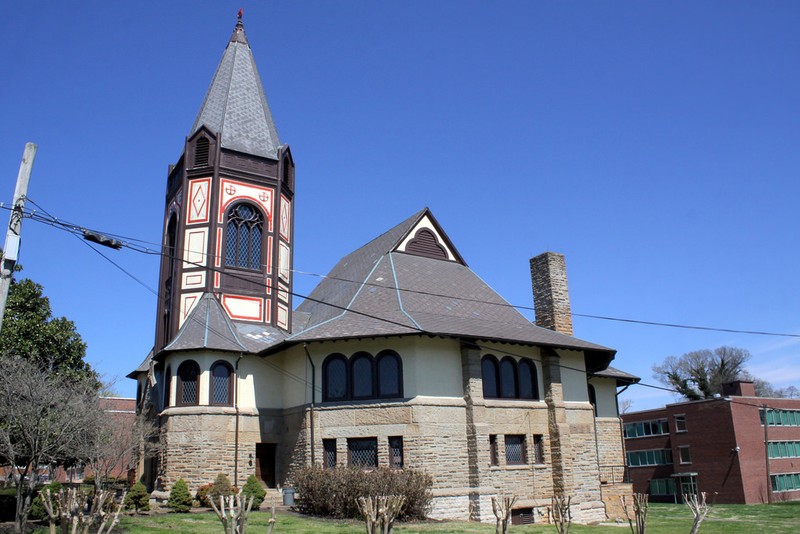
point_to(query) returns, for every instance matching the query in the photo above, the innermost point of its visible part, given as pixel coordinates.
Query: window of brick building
(493, 460)
(680, 423)
(329, 453)
(396, 452)
(538, 449)
(683, 453)
(516, 453)
(362, 452)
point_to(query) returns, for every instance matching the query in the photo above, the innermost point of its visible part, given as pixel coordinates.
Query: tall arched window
(593, 398)
(221, 384)
(528, 380)
(390, 375)
(334, 378)
(362, 376)
(188, 392)
(508, 378)
(167, 387)
(244, 231)
(489, 375)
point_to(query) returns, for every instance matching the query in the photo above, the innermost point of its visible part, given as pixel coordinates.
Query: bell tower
(228, 220)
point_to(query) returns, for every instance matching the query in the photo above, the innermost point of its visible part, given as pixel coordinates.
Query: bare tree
(625, 405)
(700, 374)
(44, 419)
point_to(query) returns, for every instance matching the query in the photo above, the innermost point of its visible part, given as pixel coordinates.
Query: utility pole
(11, 247)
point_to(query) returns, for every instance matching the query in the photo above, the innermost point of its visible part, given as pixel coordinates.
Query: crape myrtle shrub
(334, 492)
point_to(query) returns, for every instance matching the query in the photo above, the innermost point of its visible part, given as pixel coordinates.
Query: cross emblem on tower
(263, 196)
(230, 190)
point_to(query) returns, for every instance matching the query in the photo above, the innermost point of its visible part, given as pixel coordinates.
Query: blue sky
(654, 144)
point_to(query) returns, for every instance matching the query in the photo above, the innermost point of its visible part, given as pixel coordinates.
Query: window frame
(326, 395)
(373, 441)
(538, 449)
(680, 423)
(523, 448)
(250, 248)
(351, 365)
(494, 380)
(396, 459)
(509, 363)
(681, 459)
(385, 356)
(179, 393)
(230, 385)
(329, 458)
(494, 458)
(527, 362)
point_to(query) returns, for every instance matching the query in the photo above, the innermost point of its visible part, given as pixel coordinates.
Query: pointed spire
(235, 105)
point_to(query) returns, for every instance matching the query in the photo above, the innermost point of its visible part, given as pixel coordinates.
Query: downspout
(313, 393)
(236, 432)
(625, 476)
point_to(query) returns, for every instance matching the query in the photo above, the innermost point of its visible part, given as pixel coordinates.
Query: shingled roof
(236, 106)
(382, 289)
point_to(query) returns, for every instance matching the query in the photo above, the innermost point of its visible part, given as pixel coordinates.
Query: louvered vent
(201, 149)
(426, 244)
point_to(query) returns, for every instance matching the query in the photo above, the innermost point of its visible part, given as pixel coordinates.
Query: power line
(127, 242)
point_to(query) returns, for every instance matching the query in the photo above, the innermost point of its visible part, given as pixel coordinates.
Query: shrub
(253, 487)
(202, 495)
(180, 500)
(37, 510)
(334, 492)
(137, 498)
(220, 487)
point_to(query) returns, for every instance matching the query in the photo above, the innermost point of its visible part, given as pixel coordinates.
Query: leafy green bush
(180, 500)
(137, 498)
(37, 511)
(253, 488)
(220, 487)
(202, 495)
(334, 492)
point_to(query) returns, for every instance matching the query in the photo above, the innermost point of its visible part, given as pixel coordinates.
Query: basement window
(362, 452)
(516, 453)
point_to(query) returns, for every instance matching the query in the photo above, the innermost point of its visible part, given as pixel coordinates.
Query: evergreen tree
(180, 500)
(253, 488)
(138, 498)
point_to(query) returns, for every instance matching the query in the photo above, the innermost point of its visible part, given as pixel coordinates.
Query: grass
(783, 518)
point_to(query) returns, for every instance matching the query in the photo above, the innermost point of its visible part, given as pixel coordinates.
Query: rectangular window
(493, 460)
(396, 452)
(775, 417)
(516, 453)
(662, 486)
(784, 449)
(786, 482)
(680, 423)
(329, 456)
(538, 449)
(362, 452)
(640, 429)
(651, 457)
(685, 457)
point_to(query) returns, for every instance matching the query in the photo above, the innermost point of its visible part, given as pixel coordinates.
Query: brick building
(717, 446)
(401, 357)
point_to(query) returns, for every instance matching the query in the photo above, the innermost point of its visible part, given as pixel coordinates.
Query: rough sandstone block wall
(550, 292)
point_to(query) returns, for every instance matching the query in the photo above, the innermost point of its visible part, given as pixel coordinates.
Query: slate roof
(208, 327)
(379, 291)
(236, 106)
(622, 377)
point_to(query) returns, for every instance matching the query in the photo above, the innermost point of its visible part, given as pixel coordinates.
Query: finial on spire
(239, 15)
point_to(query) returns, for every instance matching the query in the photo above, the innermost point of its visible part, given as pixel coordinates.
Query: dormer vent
(201, 151)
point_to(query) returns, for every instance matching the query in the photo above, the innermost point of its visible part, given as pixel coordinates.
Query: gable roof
(235, 105)
(382, 290)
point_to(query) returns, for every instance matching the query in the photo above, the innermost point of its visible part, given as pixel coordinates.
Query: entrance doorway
(266, 463)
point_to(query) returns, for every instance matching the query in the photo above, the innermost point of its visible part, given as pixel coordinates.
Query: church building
(401, 356)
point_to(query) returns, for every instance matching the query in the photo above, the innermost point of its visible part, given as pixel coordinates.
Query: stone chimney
(550, 292)
(739, 388)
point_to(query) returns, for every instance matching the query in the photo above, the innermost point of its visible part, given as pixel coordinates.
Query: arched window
(362, 376)
(489, 375)
(528, 380)
(221, 384)
(334, 378)
(390, 375)
(167, 387)
(243, 237)
(508, 378)
(593, 398)
(188, 393)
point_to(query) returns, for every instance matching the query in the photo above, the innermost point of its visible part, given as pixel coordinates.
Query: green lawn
(662, 519)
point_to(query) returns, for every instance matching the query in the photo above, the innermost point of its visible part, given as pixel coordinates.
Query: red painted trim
(260, 301)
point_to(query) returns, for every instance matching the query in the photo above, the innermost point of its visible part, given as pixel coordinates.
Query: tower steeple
(228, 222)
(235, 105)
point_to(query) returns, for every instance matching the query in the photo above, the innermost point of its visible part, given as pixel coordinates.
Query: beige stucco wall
(605, 390)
